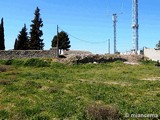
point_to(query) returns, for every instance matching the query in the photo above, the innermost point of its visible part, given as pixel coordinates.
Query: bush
(148, 62)
(3, 69)
(8, 62)
(2, 62)
(101, 112)
(34, 62)
(14, 62)
(18, 62)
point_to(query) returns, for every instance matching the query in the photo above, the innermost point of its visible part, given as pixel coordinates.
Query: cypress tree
(36, 43)
(2, 45)
(63, 43)
(22, 43)
(15, 44)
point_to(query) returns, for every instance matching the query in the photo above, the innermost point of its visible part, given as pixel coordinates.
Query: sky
(87, 22)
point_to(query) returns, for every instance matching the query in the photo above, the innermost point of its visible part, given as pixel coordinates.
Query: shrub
(3, 69)
(158, 94)
(34, 62)
(8, 62)
(101, 112)
(148, 62)
(2, 62)
(18, 62)
(14, 62)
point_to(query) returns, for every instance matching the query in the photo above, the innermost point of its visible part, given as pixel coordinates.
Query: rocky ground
(87, 57)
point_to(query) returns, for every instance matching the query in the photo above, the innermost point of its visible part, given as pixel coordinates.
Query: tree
(158, 45)
(22, 42)
(63, 41)
(15, 44)
(36, 43)
(2, 46)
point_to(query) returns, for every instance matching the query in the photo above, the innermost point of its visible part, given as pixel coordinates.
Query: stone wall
(76, 52)
(13, 54)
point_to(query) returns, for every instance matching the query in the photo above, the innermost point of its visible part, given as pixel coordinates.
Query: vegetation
(36, 43)
(59, 91)
(158, 45)
(22, 42)
(2, 45)
(63, 41)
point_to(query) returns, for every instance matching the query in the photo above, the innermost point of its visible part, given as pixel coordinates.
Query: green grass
(51, 90)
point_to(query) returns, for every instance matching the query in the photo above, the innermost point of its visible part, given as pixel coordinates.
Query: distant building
(152, 54)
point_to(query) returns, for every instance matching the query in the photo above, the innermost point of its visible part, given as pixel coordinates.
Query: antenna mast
(135, 25)
(114, 18)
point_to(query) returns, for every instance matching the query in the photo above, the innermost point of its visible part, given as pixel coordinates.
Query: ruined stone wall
(14, 54)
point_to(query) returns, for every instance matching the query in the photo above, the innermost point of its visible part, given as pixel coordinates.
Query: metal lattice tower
(114, 18)
(135, 25)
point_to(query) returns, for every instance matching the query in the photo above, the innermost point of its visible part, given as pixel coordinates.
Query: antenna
(114, 18)
(135, 25)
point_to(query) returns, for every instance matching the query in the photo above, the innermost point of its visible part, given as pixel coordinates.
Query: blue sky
(88, 20)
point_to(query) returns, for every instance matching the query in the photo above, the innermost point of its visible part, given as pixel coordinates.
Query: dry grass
(101, 112)
(3, 69)
(5, 82)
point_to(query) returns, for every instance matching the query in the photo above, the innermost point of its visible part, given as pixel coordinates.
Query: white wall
(152, 54)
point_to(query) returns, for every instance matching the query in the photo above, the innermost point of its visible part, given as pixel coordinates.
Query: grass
(50, 90)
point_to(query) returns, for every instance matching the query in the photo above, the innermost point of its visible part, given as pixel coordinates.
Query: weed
(58, 65)
(4, 114)
(33, 84)
(158, 94)
(53, 89)
(27, 112)
(8, 62)
(101, 112)
(5, 82)
(18, 62)
(41, 117)
(3, 69)
(12, 88)
(34, 62)
(148, 62)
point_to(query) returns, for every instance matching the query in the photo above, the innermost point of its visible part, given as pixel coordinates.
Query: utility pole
(135, 25)
(57, 36)
(114, 18)
(108, 46)
(57, 42)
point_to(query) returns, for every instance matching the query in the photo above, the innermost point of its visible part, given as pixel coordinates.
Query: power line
(100, 42)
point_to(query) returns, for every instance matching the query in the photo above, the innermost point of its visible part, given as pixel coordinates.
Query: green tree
(158, 45)
(2, 45)
(22, 42)
(36, 43)
(63, 41)
(15, 44)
